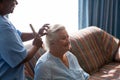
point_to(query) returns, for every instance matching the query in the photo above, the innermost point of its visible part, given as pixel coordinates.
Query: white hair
(51, 34)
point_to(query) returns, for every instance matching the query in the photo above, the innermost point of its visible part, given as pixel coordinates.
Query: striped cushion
(91, 49)
(29, 66)
(110, 45)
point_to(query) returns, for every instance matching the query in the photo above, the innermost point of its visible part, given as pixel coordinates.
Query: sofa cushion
(29, 66)
(110, 45)
(90, 48)
(110, 71)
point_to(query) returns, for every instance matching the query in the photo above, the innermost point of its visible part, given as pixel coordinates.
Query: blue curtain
(104, 14)
(83, 13)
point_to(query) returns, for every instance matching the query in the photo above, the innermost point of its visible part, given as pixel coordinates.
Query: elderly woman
(58, 63)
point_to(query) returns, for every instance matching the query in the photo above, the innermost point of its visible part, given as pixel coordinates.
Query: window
(39, 12)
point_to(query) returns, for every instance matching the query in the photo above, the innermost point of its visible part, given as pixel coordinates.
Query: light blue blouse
(49, 67)
(12, 51)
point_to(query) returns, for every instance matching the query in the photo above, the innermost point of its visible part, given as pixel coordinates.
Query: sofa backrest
(93, 48)
(30, 65)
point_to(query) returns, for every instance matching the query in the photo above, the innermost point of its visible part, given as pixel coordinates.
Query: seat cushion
(110, 71)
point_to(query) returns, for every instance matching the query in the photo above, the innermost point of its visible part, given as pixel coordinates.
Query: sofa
(97, 51)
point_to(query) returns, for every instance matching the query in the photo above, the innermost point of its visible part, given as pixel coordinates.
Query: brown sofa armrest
(117, 55)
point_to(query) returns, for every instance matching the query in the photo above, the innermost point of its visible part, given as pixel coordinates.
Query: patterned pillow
(110, 45)
(29, 66)
(91, 49)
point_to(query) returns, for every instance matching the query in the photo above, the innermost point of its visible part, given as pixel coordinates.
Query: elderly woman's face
(7, 6)
(62, 42)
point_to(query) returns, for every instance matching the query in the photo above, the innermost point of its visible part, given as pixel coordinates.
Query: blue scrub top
(12, 51)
